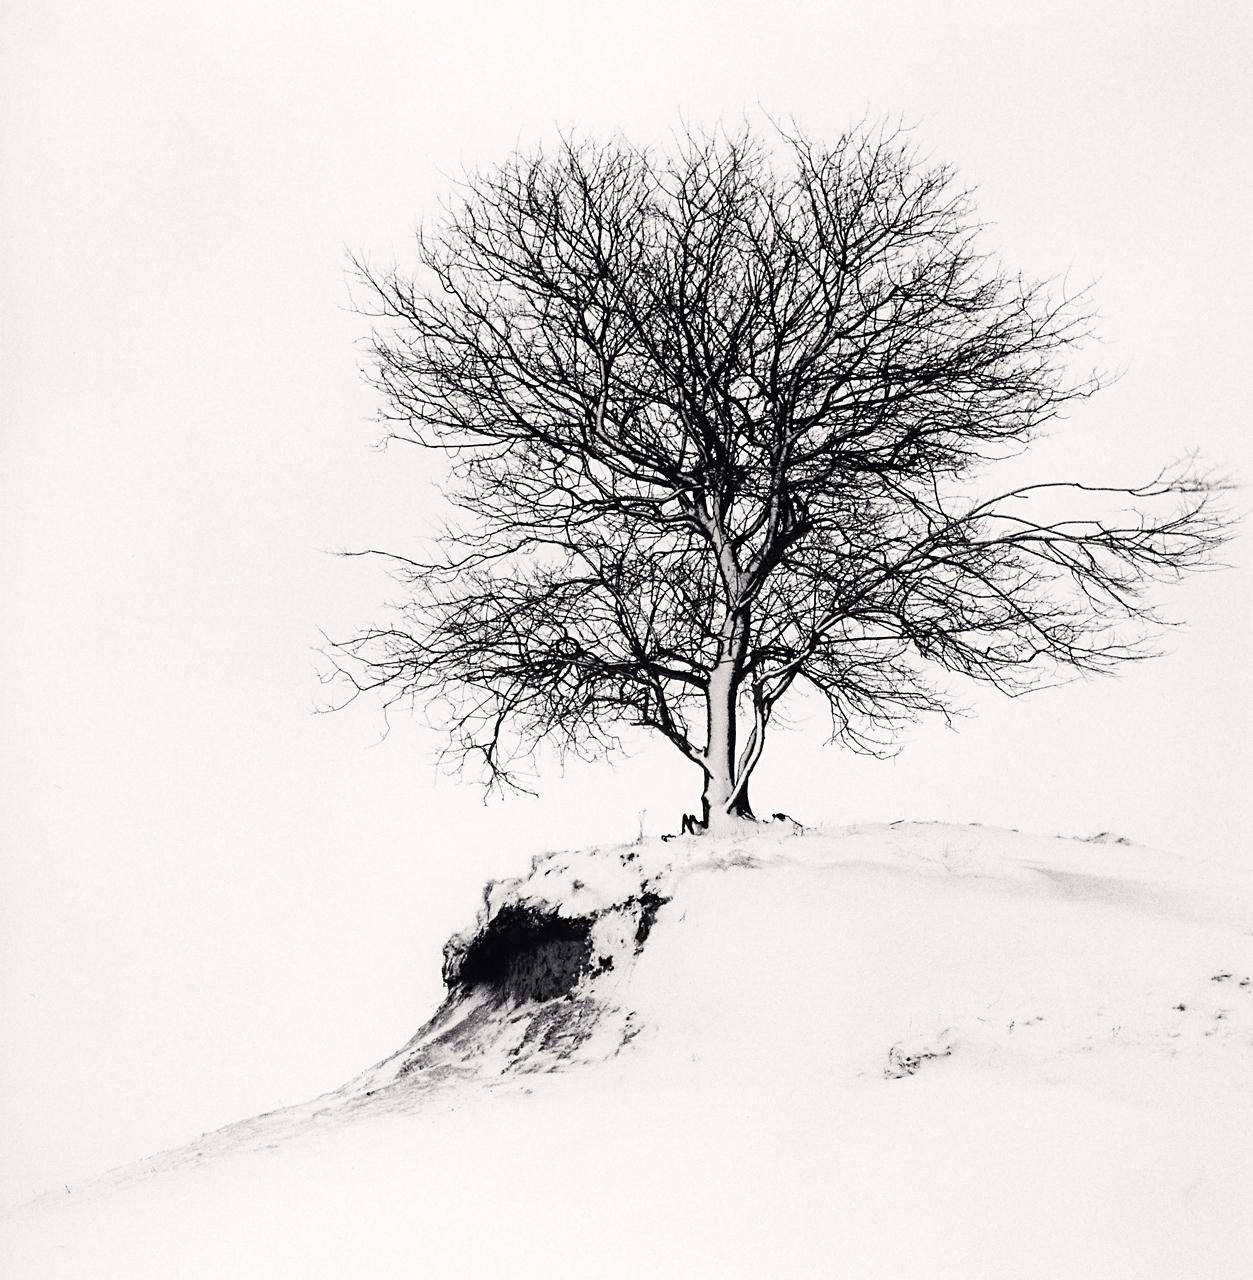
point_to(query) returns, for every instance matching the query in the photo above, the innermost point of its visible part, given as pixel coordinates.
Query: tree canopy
(718, 425)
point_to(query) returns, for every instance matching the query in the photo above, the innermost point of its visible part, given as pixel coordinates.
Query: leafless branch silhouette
(716, 424)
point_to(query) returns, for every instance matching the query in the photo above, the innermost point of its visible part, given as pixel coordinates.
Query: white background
(215, 901)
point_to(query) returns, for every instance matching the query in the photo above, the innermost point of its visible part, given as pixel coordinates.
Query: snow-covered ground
(907, 1051)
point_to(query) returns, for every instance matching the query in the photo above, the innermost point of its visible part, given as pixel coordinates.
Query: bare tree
(716, 424)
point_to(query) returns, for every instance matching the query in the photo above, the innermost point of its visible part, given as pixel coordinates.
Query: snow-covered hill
(908, 1051)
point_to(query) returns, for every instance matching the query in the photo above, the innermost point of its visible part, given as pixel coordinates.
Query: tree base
(731, 823)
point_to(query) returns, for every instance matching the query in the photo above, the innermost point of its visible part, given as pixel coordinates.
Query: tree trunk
(715, 816)
(719, 813)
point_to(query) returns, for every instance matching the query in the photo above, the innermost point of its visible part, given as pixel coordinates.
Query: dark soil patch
(525, 954)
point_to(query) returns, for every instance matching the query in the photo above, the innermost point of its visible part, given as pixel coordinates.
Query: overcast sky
(214, 900)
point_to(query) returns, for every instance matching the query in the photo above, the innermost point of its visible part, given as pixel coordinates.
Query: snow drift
(916, 1050)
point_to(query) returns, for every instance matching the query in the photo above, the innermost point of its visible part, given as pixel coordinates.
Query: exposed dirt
(523, 954)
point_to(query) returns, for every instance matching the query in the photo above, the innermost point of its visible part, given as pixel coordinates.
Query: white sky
(215, 902)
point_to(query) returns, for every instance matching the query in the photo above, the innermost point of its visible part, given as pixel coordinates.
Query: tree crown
(716, 423)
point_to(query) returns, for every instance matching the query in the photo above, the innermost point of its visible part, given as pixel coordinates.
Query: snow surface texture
(907, 1051)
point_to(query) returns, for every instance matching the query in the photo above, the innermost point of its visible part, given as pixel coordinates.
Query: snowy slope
(917, 1050)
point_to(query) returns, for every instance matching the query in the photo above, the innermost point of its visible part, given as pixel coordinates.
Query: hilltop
(917, 1049)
